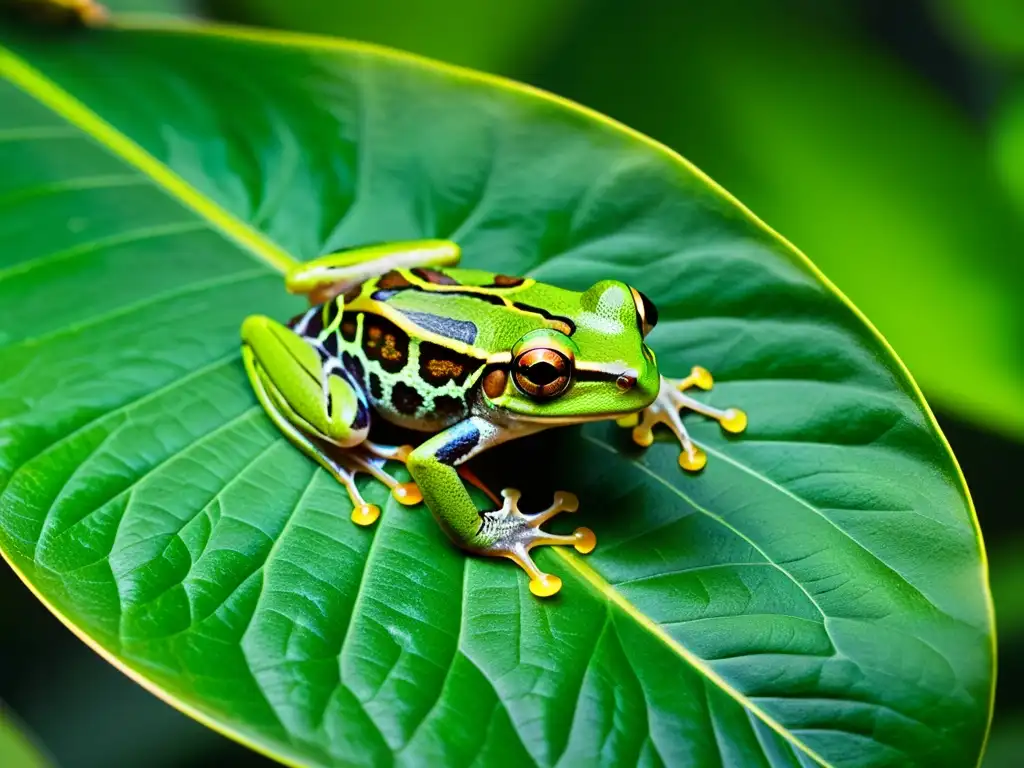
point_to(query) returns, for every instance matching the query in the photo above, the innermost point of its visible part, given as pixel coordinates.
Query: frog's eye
(646, 312)
(542, 373)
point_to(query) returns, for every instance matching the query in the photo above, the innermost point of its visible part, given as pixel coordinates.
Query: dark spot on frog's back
(330, 344)
(376, 388)
(435, 277)
(439, 365)
(506, 281)
(348, 327)
(314, 323)
(353, 365)
(449, 408)
(385, 342)
(362, 417)
(392, 280)
(390, 284)
(405, 399)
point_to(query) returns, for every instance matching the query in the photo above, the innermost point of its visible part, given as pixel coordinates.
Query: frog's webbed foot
(507, 532)
(667, 408)
(369, 458)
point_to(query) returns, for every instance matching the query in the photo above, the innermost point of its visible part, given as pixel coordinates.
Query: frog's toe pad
(668, 408)
(365, 514)
(630, 420)
(512, 534)
(585, 540)
(733, 420)
(692, 458)
(407, 494)
(545, 585)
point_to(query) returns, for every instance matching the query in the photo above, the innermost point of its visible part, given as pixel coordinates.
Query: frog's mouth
(555, 421)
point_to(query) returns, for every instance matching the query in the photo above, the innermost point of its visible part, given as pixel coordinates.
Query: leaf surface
(817, 594)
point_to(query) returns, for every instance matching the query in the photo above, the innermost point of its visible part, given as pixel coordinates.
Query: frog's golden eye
(542, 373)
(646, 312)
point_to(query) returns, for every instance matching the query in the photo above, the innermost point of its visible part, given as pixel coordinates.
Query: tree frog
(471, 358)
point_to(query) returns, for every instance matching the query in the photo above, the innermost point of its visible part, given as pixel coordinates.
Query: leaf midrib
(36, 85)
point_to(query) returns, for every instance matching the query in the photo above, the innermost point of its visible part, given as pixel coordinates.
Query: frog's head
(600, 370)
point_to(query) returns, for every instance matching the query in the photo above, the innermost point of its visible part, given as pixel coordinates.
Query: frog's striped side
(418, 340)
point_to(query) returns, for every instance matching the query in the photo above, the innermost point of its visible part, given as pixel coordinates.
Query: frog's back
(419, 339)
(480, 313)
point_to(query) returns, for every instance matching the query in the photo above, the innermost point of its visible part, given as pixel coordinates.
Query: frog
(468, 359)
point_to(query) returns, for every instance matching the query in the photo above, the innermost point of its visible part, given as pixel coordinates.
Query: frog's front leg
(505, 532)
(667, 408)
(316, 404)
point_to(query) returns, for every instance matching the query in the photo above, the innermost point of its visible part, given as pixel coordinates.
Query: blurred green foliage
(1008, 146)
(173, 7)
(493, 36)
(862, 164)
(1006, 745)
(994, 28)
(17, 750)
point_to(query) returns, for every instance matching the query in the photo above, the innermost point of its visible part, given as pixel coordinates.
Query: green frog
(471, 358)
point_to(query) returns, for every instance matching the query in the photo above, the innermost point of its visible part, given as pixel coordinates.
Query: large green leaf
(852, 157)
(817, 593)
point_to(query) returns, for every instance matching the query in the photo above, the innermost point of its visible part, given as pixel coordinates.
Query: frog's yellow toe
(701, 378)
(693, 458)
(566, 501)
(733, 420)
(642, 435)
(407, 494)
(545, 585)
(365, 514)
(585, 540)
(630, 420)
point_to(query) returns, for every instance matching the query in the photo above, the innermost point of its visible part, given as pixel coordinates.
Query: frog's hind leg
(667, 409)
(333, 274)
(503, 532)
(318, 408)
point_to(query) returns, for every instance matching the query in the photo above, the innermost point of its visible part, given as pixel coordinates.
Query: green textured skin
(605, 326)
(606, 332)
(446, 494)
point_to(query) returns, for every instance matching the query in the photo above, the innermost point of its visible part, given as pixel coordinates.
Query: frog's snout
(639, 386)
(649, 383)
